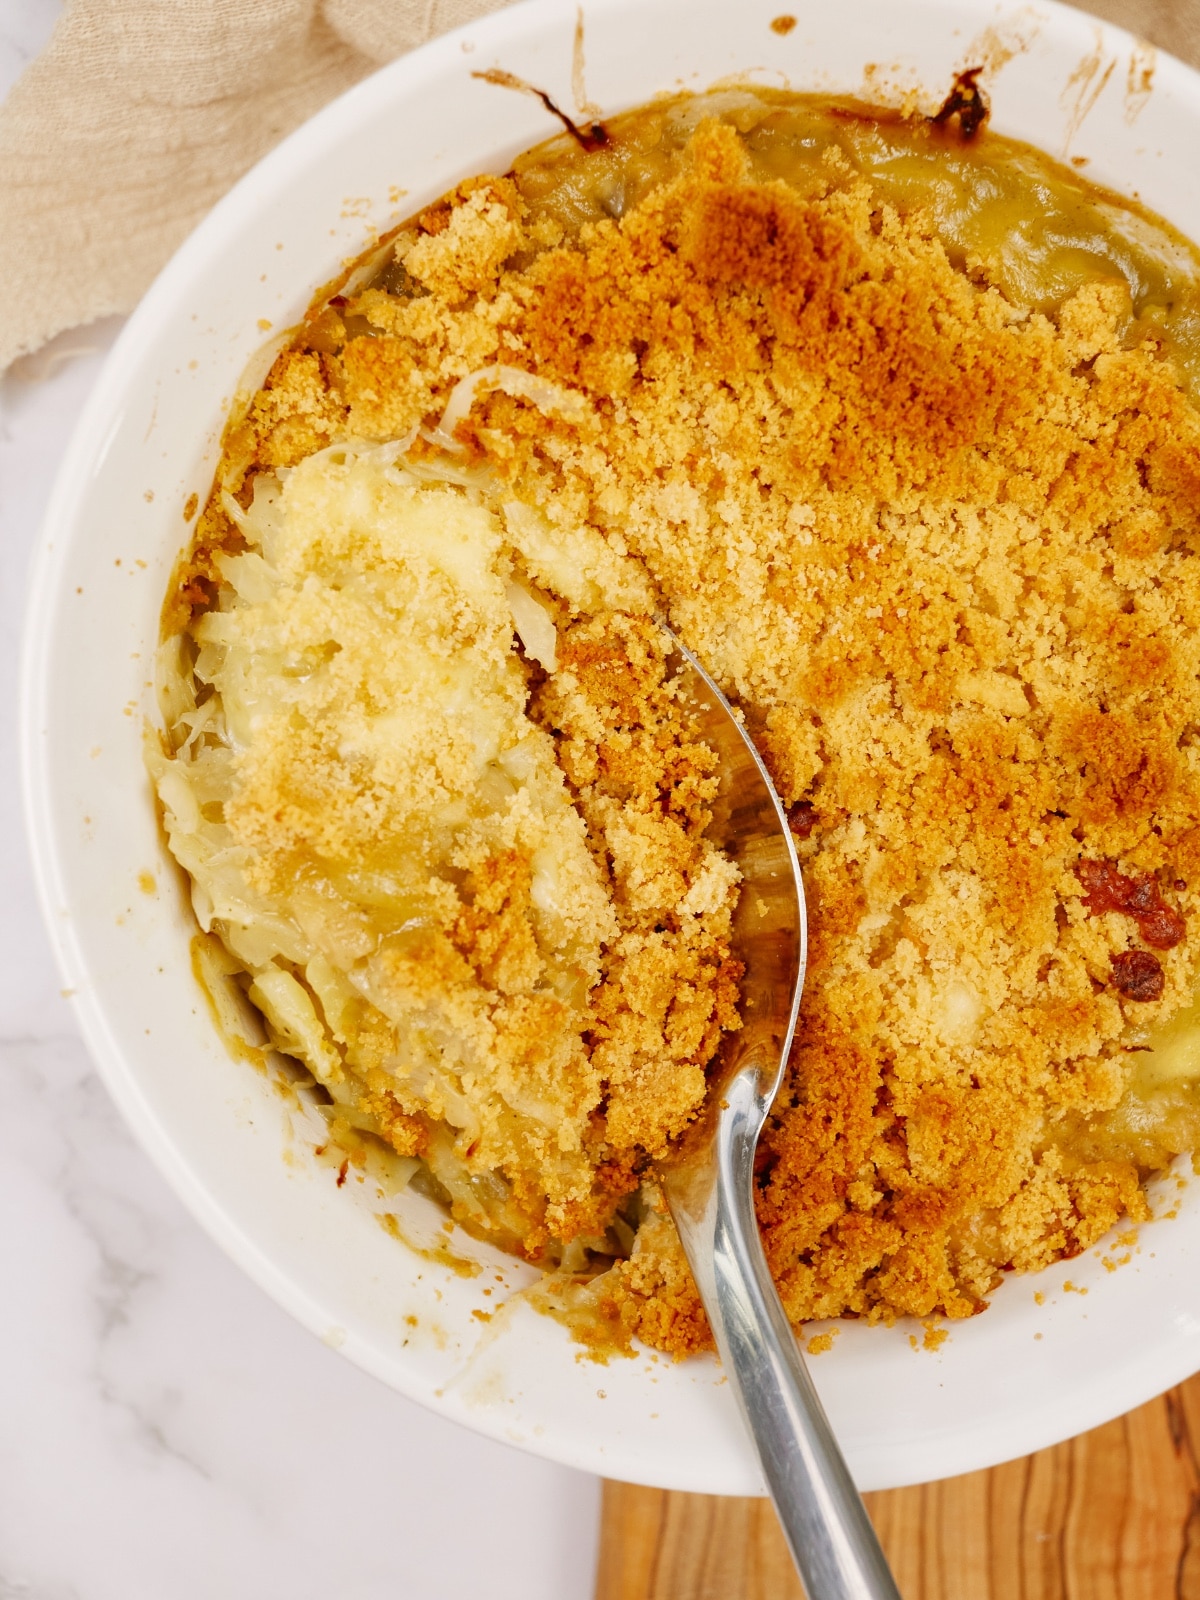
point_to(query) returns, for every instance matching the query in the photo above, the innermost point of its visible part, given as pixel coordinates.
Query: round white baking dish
(1020, 1377)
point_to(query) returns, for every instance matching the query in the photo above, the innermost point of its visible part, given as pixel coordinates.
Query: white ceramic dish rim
(1088, 1380)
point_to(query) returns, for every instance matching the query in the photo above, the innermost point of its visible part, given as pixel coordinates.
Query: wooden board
(1112, 1515)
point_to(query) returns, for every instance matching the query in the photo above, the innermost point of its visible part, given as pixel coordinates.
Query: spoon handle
(824, 1520)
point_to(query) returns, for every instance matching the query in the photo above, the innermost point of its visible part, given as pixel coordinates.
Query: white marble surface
(166, 1433)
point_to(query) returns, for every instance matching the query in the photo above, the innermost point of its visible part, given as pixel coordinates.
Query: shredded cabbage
(523, 385)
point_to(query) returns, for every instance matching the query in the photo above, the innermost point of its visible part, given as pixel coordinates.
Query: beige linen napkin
(141, 113)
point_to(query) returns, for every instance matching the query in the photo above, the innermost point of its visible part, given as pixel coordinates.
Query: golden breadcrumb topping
(942, 544)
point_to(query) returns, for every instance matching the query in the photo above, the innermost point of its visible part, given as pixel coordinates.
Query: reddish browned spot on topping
(1163, 928)
(783, 24)
(345, 1166)
(964, 105)
(189, 510)
(1138, 974)
(1105, 888)
(802, 818)
(1109, 890)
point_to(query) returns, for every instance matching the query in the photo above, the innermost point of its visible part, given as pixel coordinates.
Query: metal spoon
(709, 1179)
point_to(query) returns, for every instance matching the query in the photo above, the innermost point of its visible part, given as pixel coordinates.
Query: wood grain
(1112, 1515)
